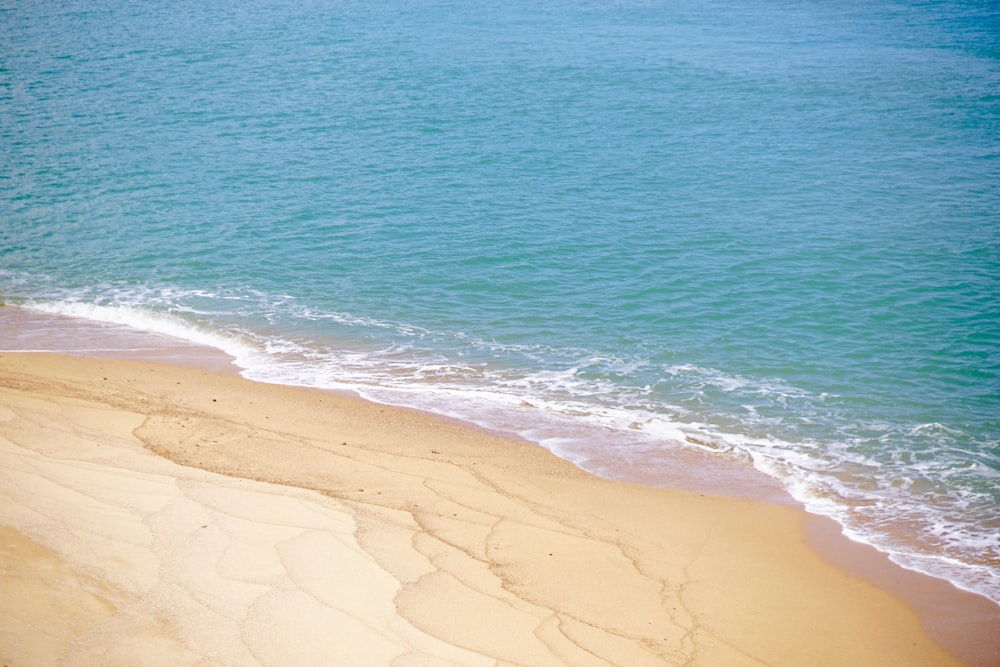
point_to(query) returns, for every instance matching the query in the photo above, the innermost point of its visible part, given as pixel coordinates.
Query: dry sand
(153, 514)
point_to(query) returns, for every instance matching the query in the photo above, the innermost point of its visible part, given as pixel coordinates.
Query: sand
(154, 514)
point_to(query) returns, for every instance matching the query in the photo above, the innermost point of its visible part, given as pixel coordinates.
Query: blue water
(770, 231)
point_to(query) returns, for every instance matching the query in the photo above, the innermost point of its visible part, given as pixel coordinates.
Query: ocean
(666, 240)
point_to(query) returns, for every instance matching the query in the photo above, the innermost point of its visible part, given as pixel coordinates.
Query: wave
(151, 321)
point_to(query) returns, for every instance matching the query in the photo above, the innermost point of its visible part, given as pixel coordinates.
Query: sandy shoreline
(380, 524)
(303, 527)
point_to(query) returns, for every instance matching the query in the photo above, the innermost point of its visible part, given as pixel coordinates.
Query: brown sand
(163, 515)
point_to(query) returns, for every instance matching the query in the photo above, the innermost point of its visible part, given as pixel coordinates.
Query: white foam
(147, 320)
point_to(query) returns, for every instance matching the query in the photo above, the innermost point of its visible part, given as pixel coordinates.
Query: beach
(745, 252)
(160, 514)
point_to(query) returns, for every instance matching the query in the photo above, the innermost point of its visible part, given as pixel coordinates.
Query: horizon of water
(762, 233)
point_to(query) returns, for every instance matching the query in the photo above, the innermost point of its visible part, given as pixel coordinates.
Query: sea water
(765, 232)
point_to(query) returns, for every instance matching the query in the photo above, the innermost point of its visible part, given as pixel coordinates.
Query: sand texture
(154, 514)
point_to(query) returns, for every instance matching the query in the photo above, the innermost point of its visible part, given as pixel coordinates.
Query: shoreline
(967, 634)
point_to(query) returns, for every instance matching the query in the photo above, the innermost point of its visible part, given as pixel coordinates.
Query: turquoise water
(769, 231)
